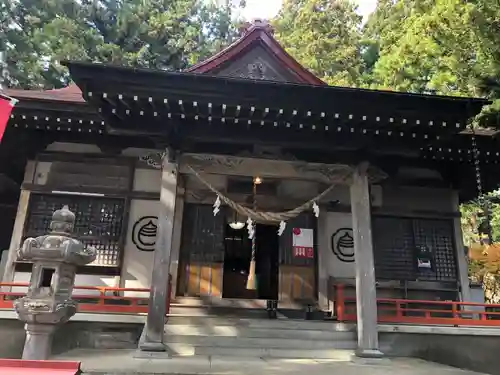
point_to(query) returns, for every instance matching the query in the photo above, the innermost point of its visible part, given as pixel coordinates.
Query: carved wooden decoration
(238, 166)
(257, 63)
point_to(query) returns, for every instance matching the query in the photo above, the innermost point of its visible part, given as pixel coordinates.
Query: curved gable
(256, 55)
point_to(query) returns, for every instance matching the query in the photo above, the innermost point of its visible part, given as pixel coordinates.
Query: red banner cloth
(6, 106)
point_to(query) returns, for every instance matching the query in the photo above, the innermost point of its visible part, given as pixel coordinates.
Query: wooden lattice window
(99, 222)
(393, 248)
(396, 241)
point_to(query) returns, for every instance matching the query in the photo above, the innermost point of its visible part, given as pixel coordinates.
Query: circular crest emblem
(342, 243)
(144, 233)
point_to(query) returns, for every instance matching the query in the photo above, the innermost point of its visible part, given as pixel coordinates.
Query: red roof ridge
(70, 93)
(257, 30)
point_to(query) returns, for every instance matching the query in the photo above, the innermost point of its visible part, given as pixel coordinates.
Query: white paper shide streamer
(282, 227)
(217, 204)
(250, 228)
(315, 209)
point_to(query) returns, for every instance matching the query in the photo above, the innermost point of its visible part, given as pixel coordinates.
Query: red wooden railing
(106, 300)
(421, 312)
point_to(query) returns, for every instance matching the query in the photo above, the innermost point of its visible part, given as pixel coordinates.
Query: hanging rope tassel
(251, 281)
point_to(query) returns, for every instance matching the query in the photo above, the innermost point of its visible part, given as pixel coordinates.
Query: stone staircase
(249, 333)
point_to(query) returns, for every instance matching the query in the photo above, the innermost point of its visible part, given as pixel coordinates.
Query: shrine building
(142, 155)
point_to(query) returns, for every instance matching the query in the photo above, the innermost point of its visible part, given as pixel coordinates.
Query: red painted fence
(421, 312)
(23, 367)
(106, 300)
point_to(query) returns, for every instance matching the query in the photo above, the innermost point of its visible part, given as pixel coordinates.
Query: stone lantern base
(38, 344)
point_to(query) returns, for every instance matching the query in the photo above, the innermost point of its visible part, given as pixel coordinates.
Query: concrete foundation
(477, 353)
(84, 335)
(469, 348)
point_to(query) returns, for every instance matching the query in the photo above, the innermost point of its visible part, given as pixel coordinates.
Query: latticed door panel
(437, 237)
(99, 222)
(393, 248)
(202, 251)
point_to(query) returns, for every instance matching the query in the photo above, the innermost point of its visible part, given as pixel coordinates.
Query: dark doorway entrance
(238, 250)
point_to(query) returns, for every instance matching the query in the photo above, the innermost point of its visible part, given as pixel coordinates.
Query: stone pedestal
(38, 342)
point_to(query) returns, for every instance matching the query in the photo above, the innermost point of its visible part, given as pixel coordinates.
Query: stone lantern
(48, 302)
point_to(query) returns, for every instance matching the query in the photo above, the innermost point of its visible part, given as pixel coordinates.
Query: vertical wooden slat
(296, 283)
(193, 288)
(217, 280)
(202, 249)
(285, 286)
(205, 280)
(296, 275)
(308, 284)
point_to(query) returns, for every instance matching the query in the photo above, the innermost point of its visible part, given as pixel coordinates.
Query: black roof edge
(202, 76)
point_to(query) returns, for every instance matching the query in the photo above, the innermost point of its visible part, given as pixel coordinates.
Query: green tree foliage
(426, 46)
(163, 34)
(485, 19)
(324, 36)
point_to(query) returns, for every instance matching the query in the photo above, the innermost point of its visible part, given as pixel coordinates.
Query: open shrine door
(201, 258)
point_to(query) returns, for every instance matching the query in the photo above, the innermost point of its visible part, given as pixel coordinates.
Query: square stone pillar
(366, 295)
(153, 335)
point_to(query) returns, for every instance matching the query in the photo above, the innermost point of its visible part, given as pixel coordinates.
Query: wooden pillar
(17, 236)
(323, 253)
(366, 297)
(152, 337)
(177, 236)
(462, 264)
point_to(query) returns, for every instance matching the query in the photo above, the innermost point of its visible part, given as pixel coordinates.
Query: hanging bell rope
(270, 217)
(252, 277)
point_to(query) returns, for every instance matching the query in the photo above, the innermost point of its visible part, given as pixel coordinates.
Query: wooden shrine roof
(258, 32)
(69, 94)
(188, 96)
(201, 110)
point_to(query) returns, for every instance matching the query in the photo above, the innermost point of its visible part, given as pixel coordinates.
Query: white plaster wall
(138, 258)
(333, 255)
(147, 180)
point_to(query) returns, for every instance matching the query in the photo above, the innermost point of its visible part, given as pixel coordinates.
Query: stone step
(237, 332)
(231, 302)
(258, 332)
(294, 324)
(175, 311)
(177, 349)
(259, 342)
